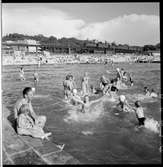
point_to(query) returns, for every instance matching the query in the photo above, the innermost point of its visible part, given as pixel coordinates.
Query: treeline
(64, 42)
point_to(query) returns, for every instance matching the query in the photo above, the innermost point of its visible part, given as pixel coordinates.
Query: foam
(87, 132)
(75, 114)
(152, 125)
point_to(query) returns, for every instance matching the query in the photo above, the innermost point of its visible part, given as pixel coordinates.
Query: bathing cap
(122, 98)
(75, 91)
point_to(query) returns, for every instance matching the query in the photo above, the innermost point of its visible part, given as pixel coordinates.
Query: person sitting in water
(153, 94)
(146, 91)
(27, 97)
(123, 104)
(21, 74)
(139, 113)
(75, 98)
(27, 126)
(104, 84)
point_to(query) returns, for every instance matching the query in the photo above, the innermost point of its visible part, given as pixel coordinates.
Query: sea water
(100, 136)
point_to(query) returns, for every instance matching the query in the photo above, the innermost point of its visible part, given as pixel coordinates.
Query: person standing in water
(36, 79)
(139, 113)
(85, 85)
(21, 74)
(67, 87)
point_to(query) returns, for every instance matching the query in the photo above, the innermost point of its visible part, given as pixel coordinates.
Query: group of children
(107, 87)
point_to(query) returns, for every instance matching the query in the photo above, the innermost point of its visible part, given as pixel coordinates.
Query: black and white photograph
(80, 83)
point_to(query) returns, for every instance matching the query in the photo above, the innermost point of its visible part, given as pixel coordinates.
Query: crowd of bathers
(29, 123)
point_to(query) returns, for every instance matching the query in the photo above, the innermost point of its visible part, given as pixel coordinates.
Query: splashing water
(95, 111)
(152, 125)
(87, 132)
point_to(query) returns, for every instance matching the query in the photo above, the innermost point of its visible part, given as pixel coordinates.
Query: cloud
(40, 20)
(130, 29)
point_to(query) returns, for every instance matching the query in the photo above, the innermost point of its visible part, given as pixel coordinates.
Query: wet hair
(122, 69)
(137, 103)
(26, 90)
(152, 90)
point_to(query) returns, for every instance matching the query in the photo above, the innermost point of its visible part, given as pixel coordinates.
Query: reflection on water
(99, 136)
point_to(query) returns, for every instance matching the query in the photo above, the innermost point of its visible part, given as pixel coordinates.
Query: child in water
(146, 91)
(153, 93)
(123, 104)
(21, 74)
(139, 113)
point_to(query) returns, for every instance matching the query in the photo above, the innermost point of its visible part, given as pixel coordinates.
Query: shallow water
(100, 137)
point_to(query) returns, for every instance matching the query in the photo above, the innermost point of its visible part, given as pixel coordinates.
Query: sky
(123, 23)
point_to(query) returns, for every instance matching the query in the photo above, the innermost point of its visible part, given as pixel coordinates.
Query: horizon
(123, 23)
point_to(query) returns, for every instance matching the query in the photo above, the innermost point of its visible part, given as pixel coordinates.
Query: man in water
(21, 74)
(27, 97)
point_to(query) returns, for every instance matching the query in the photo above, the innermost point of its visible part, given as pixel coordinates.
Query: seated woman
(27, 126)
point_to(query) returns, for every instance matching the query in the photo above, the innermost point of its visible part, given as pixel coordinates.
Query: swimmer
(21, 74)
(146, 91)
(75, 98)
(153, 94)
(123, 104)
(86, 105)
(139, 113)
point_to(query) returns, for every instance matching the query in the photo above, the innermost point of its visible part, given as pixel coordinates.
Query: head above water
(137, 103)
(75, 91)
(122, 98)
(28, 93)
(86, 98)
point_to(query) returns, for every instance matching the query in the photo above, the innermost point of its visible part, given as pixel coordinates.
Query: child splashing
(148, 123)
